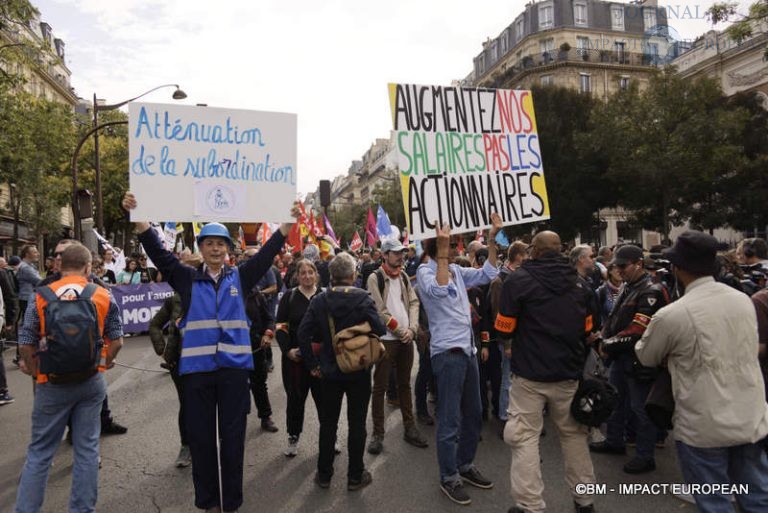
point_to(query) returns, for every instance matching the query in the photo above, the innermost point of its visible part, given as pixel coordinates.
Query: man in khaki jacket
(398, 308)
(709, 341)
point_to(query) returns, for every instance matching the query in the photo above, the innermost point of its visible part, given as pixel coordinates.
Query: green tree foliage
(744, 26)
(387, 193)
(575, 176)
(14, 48)
(668, 149)
(745, 188)
(113, 153)
(346, 218)
(35, 143)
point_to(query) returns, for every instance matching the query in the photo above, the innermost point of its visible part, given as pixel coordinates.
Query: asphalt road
(138, 473)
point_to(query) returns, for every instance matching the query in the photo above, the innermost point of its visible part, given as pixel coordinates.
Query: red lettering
(509, 111)
(496, 156)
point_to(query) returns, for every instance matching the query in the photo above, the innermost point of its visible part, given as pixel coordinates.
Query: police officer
(216, 352)
(638, 300)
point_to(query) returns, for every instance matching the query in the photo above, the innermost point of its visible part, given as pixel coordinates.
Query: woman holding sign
(215, 353)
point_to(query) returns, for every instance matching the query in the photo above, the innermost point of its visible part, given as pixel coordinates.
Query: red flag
(266, 233)
(460, 246)
(357, 242)
(315, 227)
(371, 232)
(294, 238)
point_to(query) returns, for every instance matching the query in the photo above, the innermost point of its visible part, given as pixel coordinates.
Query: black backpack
(72, 340)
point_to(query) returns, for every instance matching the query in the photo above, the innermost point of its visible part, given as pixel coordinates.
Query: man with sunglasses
(148, 274)
(638, 300)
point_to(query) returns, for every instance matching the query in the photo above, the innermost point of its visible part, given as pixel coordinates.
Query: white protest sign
(464, 153)
(211, 164)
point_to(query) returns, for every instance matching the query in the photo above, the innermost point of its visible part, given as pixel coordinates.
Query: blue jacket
(216, 327)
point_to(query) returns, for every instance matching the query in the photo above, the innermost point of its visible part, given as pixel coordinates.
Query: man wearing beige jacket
(708, 339)
(398, 308)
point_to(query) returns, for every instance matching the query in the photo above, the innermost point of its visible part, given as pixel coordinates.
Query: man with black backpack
(398, 308)
(61, 343)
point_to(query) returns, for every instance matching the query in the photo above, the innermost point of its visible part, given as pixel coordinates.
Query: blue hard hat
(214, 230)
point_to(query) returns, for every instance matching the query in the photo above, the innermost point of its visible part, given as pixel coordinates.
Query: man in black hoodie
(548, 310)
(348, 306)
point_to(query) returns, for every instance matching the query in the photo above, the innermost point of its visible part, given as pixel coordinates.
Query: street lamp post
(75, 200)
(178, 94)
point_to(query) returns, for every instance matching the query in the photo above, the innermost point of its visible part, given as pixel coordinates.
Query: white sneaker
(595, 436)
(293, 447)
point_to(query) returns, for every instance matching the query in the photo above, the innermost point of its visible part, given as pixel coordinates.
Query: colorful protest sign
(210, 164)
(464, 153)
(139, 303)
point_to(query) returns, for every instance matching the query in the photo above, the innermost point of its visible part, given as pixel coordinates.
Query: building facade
(594, 46)
(44, 75)
(739, 66)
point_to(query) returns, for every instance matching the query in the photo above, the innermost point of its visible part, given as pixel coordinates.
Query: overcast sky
(327, 61)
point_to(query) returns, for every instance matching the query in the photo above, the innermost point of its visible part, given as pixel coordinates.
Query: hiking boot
(113, 428)
(639, 466)
(5, 398)
(606, 448)
(475, 478)
(455, 491)
(184, 459)
(365, 479)
(293, 447)
(414, 437)
(375, 446)
(268, 425)
(425, 418)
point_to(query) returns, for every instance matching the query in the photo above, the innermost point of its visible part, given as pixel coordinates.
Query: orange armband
(505, 324)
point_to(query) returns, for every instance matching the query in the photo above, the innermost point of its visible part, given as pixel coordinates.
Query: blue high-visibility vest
(215, 329)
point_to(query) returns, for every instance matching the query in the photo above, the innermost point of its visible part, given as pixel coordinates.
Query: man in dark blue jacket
(347, 306)
(216, 352)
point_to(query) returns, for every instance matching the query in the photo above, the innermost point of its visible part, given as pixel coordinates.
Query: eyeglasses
(57, 254)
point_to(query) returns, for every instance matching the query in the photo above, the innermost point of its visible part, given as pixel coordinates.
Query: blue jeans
(505, 384)
(632, 396)
(53, 406)
(741, 464)
(459, 412)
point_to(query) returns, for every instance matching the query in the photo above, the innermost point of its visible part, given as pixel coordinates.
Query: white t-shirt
(396, 306)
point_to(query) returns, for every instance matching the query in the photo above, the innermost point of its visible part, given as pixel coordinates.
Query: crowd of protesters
(497, 336)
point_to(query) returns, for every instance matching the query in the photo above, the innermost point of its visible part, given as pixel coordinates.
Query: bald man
(547, 309)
